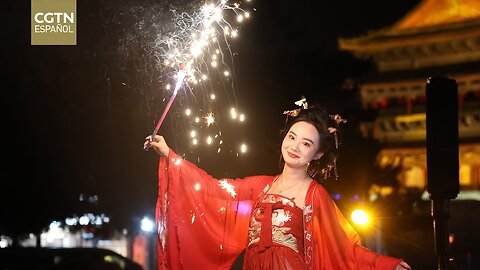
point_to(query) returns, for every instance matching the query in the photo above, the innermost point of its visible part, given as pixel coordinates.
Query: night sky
(75, 117)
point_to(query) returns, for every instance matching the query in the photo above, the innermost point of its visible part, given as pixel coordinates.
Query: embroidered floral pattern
(280, 216)
(280, 219)
(307, 212)
(280, 236)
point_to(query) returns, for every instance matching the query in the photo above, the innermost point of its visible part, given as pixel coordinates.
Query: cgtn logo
(54, 22)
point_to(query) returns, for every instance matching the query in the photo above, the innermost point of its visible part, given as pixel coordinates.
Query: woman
(287, 221)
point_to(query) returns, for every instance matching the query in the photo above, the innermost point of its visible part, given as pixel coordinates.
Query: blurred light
(355, 197)
(146, 225)
(54, 232)
(193, 133)
(84, 220)
(451, 238)
(93, 198)
(197, 187)
(5, 241)
(242, 117)
(197, 119)
(360, 217)
(168, 87)
(209, 140)
(54, 225)
(188, 112)
(87, 235)
(98, 220)
(373, 197)
(71, 221)
(233, 113)
(212, 96)
(243, 148)
(337, 196)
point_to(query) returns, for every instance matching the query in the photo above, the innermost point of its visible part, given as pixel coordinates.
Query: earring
(311, 172)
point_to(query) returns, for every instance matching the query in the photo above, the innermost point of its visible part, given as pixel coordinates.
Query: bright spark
(228, 187)
(243, 148)
(196, 46)
(233, 113)
(209, 119)
(196, 36)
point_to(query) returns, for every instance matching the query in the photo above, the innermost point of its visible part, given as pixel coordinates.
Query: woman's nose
(295, 146)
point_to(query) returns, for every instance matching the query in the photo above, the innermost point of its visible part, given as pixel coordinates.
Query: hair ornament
(302, 103)
(338, 119)
(292, 113)
(333, 130)
(330, 169)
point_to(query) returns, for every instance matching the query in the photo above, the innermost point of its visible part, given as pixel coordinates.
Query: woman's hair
(327, 128)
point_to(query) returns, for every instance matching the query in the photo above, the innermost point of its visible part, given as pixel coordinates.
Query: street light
(360, 217)
(146, 225)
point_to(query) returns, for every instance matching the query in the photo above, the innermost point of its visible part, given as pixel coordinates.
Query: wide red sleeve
(334, 242)
(202, 221)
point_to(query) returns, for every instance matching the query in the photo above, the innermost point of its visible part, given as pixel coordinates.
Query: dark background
(74, 118)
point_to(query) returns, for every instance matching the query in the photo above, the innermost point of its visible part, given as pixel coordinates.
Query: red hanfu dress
(205, 223)
(275, 235)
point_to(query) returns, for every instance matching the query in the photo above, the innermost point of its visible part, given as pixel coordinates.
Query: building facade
(436, 38)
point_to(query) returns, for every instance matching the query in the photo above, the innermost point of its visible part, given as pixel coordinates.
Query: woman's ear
(318, 155)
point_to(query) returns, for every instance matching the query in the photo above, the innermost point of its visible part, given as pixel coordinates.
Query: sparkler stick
(180, 76)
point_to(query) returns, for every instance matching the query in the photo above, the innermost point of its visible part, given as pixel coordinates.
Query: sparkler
(180, 78)
(186, 50)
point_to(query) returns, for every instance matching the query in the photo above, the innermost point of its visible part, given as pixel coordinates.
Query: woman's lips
(292, 155)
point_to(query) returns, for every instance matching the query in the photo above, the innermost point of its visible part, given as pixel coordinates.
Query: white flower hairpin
(302, 103)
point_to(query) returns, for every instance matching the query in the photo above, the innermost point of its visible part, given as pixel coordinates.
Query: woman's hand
(403, 266)
(158, 144)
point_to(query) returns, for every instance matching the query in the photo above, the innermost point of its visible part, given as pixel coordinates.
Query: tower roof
(439, 12)
(434, 20)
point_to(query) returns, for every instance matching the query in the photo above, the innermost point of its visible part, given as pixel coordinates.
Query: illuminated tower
(436, 38)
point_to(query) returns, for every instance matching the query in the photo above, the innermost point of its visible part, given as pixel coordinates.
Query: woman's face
(301, 145)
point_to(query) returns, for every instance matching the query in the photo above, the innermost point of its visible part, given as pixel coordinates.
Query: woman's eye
(306, 144)
(291, 137)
